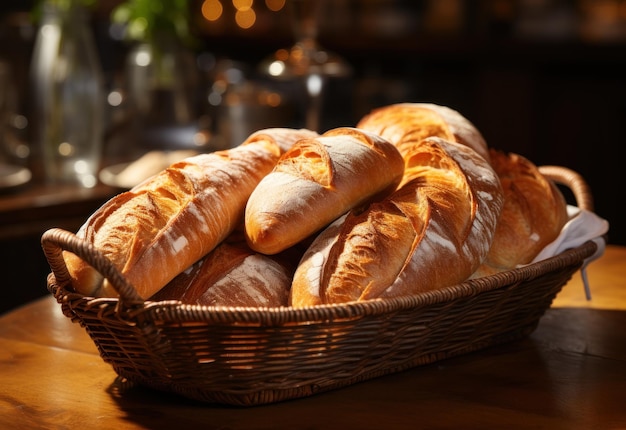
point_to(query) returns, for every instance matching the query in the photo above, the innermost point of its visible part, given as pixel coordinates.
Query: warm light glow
(245, 18)
(65, 149)
(270, 99)
(276, 68)
(245, 14)
(275, 5)
(81, 167)
(314, 84)
(22, 151)
(282, 54)
(88, 181)
(212, 10)
(115, 98)
(200, 138)
(232, 99)
(49, 31)
(242, 4)
(143, 58)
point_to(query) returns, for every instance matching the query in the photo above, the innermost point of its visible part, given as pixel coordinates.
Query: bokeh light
(212, 10)
(245, 18)
(275, 5)
(245, 12)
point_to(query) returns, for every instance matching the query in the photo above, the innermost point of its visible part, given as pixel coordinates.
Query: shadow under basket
(254, 356)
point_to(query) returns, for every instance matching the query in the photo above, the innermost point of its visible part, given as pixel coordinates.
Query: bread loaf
(232, 275)
(404, 123)
(315, 182)
(533, 214)
(434, 231)
(160, 227)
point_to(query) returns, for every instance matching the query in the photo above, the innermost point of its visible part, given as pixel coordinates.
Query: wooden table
(569, 374)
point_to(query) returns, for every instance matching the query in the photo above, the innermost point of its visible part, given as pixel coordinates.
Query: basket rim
(130, 304)
(173, 310)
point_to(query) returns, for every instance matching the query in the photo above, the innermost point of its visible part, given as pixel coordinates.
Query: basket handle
(56, 240)
(574, 181)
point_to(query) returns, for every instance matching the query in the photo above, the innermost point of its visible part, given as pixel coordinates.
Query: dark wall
(554, 104)
(546, 81)
(557, 99)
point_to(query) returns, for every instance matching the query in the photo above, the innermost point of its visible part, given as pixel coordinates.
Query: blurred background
(543, 78)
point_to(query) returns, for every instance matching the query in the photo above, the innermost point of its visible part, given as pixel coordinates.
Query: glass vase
(68, 94)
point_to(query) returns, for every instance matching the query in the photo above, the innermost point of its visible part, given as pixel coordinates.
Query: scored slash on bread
(165, 224)
(315, 182)
(433, 231)
(404, 123)
(231, 275)
(408, 201)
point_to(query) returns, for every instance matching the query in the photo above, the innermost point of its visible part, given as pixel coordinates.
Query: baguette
(404, 123)
(315, 182)
(163, 225)
(231, 275)
(434, 231)
(533, 215)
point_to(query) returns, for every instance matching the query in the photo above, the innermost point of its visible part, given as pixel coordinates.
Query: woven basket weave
(253, 356)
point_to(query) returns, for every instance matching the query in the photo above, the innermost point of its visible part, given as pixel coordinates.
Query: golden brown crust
(404, 123)
(432, 232)
(315, 182)
(162, 226)
(533, 214)
(231, 275)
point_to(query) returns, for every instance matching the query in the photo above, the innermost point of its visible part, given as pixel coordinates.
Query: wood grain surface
(569, 374)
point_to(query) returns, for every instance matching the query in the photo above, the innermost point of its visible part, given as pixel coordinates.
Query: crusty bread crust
(232, 275)
(533, 214)
(404, 123)
(315, 182)
(163, 225)
(408, 201)
(434, 231)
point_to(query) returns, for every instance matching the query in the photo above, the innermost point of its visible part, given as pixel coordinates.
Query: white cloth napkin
(582, 226)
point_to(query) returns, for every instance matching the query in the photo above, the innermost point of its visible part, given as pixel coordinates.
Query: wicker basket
(252, 356)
